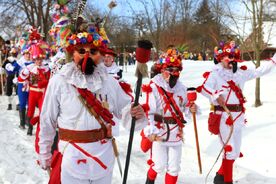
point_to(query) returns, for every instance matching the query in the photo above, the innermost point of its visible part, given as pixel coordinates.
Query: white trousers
(66, 178)
(235, 140)
(166, 158)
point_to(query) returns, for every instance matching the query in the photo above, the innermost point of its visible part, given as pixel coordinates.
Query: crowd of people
(77, 99)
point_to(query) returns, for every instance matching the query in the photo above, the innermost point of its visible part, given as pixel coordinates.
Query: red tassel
(146, 88)
(243, 67)
(146, 107)
(241, 155)
(206, 74)
(229, 121)
(228, 148)
(150, 162)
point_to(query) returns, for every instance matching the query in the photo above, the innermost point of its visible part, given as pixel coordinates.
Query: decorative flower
(89, 38)
(83, 40)
(80, 35)
(96, 43)
(85, 34)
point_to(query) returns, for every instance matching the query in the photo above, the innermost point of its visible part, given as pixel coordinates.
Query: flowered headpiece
(230, 49)
(171, 58)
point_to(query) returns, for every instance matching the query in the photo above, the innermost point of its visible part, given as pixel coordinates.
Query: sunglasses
(171, 70)
(83, 51)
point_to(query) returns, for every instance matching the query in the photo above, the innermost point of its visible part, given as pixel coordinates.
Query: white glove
(45, 164)
(15, 81)
(26, 72)
(9, 67)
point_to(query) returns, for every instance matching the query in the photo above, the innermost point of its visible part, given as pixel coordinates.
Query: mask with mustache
(87, 65)
(173, 80)
(234, 66)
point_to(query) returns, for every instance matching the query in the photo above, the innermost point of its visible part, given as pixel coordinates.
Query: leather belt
(79, 136)
(167, 120)
(232, 108)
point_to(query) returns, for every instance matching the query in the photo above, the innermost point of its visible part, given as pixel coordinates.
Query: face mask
(87, 65)
(234, 66)
(173, 80)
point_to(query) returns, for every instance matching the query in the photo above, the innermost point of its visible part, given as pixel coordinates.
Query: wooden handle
(197, 144)
(115, 148)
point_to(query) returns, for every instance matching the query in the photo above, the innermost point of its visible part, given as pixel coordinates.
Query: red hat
(143, 51)
(229, 49)
(37, 52)
(170, 59)
(108, 51)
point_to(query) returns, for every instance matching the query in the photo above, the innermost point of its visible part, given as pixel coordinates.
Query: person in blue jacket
(22, 90)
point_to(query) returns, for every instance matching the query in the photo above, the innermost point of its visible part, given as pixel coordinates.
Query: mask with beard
(173, 80)
(234, 66)
(87, 65)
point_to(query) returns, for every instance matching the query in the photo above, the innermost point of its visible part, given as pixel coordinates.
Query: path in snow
(18, 159)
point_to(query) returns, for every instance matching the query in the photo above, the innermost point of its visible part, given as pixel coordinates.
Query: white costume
(113, 70)
(217, 84)
(63, 109)
(166, 155)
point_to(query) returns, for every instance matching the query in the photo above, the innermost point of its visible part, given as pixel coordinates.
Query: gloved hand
(9, 67)
(45, 164)
(15, 80)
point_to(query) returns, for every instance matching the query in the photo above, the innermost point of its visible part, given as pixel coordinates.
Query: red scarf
(93, 102)
(237, 90)
(169, 101)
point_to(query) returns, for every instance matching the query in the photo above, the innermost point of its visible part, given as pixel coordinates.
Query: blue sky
(122, 7)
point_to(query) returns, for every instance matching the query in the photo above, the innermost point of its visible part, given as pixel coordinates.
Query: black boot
(30, 127)
(228, 183)
(17, 107)
(30, 130)
(149, 181)
(22, 115)
(219, 179)
(9, 107)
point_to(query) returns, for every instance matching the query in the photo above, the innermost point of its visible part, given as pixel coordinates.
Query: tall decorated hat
(37, 47)
(171, 58)
(72, 30)
(229, 49)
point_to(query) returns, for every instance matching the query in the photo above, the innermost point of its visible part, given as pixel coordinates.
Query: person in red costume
(35, 77)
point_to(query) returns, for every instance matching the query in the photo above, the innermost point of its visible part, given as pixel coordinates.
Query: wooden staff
(192, 96)
(142, 56)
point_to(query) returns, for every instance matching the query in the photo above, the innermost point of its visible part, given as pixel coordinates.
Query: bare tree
(254, 17)
(19, 13)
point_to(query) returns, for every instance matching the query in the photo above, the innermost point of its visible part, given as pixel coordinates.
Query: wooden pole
(197, 144)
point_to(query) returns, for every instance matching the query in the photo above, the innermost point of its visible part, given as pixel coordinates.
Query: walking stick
(192, 96)
(224, 144)
(142, 56)
(1, 75)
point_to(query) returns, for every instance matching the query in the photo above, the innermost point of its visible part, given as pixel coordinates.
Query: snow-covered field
(18, 159)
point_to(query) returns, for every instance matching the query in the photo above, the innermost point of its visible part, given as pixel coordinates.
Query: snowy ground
(18, 159)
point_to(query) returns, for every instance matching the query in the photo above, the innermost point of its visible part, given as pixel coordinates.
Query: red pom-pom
(146, 88)
(206, 74)
(229, 121)
(228, 148)
(243, 67)
(146, 107)
(150, 162)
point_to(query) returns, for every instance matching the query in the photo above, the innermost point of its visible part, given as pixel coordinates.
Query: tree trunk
(258, 93)
(258, 82)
